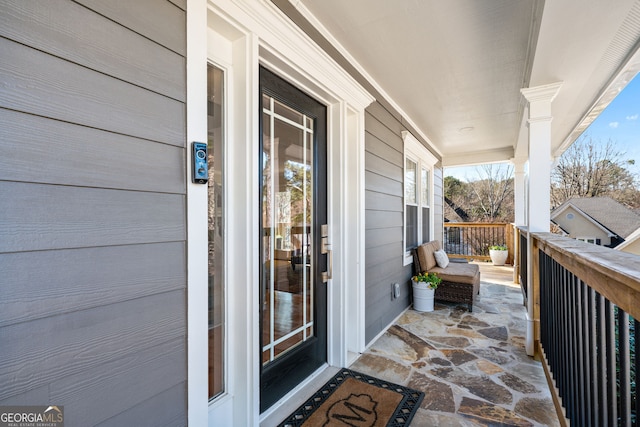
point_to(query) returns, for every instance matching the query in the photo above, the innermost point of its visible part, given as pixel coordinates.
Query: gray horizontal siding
(82, 342)
(40, 150)
(132, 381)
(384, 219)
(51, 29)
(92, 211)
(376, 219)
(48, 86)
(382, 184)
(84, 217)
(167, 409)
(384, 167)
(376, 237)
(182, 4)
(384, 211)
(382, 202)
(162, 21)
(116, 274)
(379, 148)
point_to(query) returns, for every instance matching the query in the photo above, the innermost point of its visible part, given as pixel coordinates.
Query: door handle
(325, 249)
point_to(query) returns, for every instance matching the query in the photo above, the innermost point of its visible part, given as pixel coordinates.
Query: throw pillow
(441, 258)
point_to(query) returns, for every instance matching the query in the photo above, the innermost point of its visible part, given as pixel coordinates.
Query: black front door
(293, 201)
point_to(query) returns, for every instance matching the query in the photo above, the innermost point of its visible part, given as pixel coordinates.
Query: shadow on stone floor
(472, 367)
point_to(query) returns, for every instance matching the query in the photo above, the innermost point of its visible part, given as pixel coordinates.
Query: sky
(619, 122)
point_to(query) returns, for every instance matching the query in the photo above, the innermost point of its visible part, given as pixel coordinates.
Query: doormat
(354, 399)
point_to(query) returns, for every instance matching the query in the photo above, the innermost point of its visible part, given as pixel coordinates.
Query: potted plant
(424, 286)
(498, 254)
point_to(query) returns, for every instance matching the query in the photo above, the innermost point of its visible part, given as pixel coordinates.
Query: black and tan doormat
(358, 400)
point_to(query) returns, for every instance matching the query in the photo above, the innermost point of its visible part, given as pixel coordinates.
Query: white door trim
(242, 34)
(196, 205)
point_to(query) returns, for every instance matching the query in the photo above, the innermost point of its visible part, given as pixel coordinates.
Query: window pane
(411, 240)
(425, 187)
(215, 130)
(425, 225)
(410, 183)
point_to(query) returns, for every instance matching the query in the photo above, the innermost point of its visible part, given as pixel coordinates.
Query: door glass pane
(215, 80)
(286, 248)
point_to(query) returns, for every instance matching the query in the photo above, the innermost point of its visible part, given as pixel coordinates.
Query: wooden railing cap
(614, 274)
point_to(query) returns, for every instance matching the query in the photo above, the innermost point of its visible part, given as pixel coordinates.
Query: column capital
(519, 164)
(541, 93)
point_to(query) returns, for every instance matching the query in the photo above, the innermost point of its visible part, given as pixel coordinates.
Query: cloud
(634, 117)
(613, 125)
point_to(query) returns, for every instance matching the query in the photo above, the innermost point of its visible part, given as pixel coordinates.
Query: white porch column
(520, 206)
(540, 99)
(539, 194)
(520, 203)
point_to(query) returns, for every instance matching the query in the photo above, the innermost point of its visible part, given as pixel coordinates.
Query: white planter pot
(422, 296)
(498, 257)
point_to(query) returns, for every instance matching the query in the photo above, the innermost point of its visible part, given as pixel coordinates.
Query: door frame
(239, 38)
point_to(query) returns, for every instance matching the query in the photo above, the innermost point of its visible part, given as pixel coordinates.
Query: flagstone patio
(472, 367)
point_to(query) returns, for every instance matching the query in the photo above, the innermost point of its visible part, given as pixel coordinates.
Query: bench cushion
(425, 256)
(459, 273)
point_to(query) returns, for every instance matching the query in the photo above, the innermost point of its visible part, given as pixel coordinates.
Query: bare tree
(591, 169)
(493, 193)
(487, 199)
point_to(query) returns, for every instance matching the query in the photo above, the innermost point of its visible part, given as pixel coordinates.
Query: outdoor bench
(460, 281)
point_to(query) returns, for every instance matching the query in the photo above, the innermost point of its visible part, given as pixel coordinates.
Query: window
(591, 240)
(410, 204)
(215, 185)
(418, 194)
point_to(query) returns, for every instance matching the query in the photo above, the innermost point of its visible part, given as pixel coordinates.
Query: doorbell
(200, 170)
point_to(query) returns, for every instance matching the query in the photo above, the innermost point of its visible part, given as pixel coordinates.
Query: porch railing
(521, 267)
(471, 240)
(587, 300)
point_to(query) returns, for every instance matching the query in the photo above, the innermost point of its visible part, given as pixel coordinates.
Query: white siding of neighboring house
(581, 227)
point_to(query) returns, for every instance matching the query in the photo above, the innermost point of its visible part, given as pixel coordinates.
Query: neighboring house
(134, 294)
(598, 220)
(631, 243)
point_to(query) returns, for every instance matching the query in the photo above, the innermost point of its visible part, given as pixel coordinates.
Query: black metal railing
(590, 348)
(522, 263)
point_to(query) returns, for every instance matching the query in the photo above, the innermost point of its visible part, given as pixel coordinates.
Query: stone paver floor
(472, 367)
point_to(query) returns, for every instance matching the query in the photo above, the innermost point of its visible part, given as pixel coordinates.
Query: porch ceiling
(454, 69)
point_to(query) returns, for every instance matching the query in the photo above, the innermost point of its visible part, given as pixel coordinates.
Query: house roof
(629, 240)
(605, 211)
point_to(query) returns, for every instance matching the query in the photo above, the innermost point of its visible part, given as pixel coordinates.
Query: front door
(293, 201)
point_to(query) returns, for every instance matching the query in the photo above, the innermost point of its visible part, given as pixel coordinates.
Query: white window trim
(416, 152)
